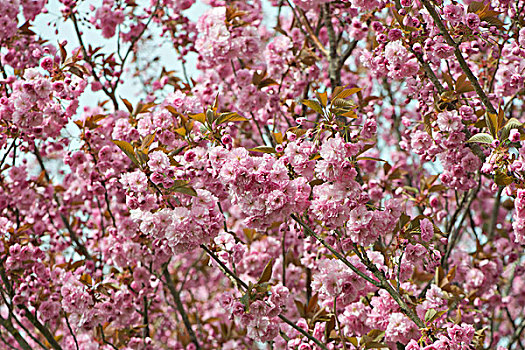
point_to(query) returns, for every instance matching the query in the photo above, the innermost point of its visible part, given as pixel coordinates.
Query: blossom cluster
(317, 174)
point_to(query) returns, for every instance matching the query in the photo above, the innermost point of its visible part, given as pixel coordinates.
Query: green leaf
(230, 117)
(431, 315)
(128, 105)
(482, 138)
(371, 158)
(200, 117)
(263, 149)
(502, 179)
(513, 123)
(322, 97)
(330, 326)
(278, 137)
(337, 90)
(350, 114)
(173, 111)
(411, 189)
(128, 149)
(348, 92)
(428, 123)
(313, 105)
(141, 156)
(210, 116)
(147, 141)
(179, 183)
(181, 131)
(398, 18)
(492, 123)
(300, 307)
(342, 103)
(267, 273)
(312, 304)
(267, 82)
(145, 108)
(245, 299)
(375, 345)
(475, 6)
(186, 190)
(354, 341)
(376, 335)
(495, 21)
(437, 188)
(463, 85)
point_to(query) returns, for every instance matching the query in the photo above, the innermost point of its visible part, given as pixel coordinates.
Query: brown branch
(65, 220)
(383, 281)
(344, 56)
(103, 182)
(43, 329)
(240, 282)
(180, 307)
(145, 331)
(517, 334)
(494, 214)
(6, 343)
(133, 42)
(8, 151)
(15, 333)
(385, 284)
(333, 68)
(461, 60)
(426, 66)
(338, 255)
(455, 237)
(71, 331)
(309, 31)
(87, 58)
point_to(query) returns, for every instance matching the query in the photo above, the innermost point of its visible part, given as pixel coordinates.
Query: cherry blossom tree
(332, 175)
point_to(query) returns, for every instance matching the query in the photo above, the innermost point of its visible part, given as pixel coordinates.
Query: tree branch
(14, 332)
(240, 282)
(180, 307)
(461, 60)
(65, 220)
(335, 252)
(87, 58)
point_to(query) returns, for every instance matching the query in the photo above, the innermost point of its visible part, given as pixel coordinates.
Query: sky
(46, 25)
(43, 25)
(130, 89)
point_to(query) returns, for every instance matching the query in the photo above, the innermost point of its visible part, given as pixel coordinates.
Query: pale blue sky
(130, 89)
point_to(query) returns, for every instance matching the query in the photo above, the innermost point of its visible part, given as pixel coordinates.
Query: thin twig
(309, 31)
(6, 343)
(8, 151)
(343, 340)
(65, 220)
(495, 211)
(335, 252)
(145, 331)
(87, 58)
(71, 331)
(461, 60)
(385, 284)
(104, 338)
(133, 42)
(43, 329)
(333, 69)
(15, 333)
(240, 282)
(180, 307)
